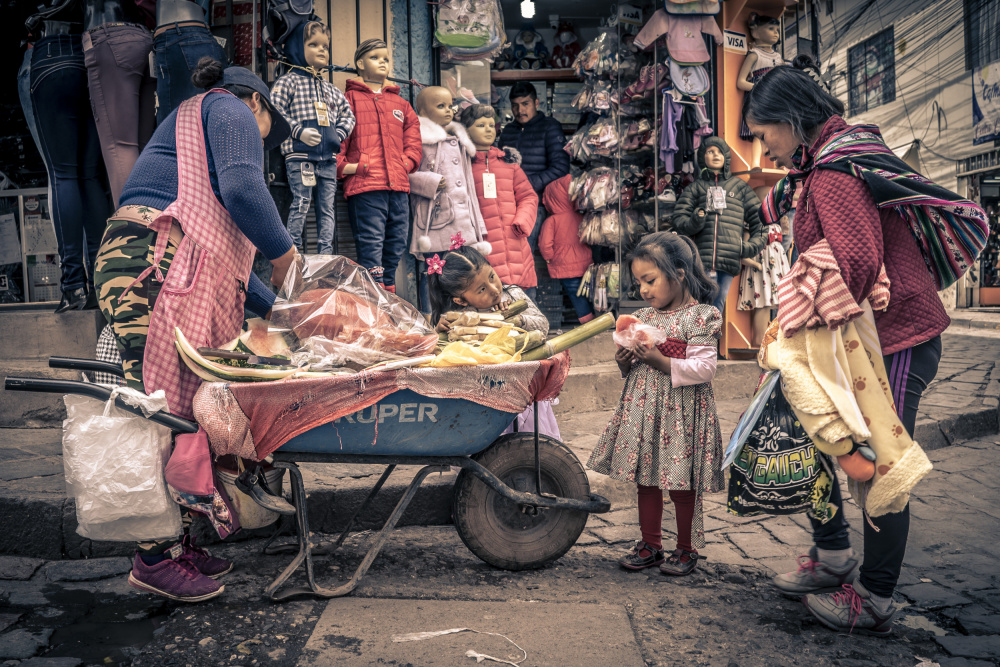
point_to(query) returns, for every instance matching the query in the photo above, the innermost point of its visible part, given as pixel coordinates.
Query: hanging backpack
(281, 18)
(468, 24)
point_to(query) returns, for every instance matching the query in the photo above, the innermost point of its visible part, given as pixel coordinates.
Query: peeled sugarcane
(570, 338)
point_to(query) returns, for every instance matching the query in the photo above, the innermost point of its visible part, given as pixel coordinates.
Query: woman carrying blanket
(861, 204)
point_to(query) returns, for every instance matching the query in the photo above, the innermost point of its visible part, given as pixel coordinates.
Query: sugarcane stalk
(514, 309)
(570, 338)
(528, 341)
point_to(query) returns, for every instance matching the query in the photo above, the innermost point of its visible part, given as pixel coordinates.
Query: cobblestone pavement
(725, 614)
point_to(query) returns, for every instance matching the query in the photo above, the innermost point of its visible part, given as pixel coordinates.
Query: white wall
(933, 88)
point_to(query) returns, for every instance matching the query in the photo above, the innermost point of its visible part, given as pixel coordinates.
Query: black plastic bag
(779, 470)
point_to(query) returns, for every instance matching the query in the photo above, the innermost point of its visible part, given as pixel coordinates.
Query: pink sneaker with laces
(851, 610)
(814, 576)
(175, 577)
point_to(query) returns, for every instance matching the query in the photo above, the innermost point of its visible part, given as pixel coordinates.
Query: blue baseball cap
(241, 76)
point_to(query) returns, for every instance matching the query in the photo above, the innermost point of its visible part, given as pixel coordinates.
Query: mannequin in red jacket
(508, 202)
(375, 162)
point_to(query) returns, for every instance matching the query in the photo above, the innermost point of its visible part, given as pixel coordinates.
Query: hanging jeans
(380, 222)
(176, 52)
(122, 94)
(24, 93)
(326, 203)
(72, 151)
(910, 371)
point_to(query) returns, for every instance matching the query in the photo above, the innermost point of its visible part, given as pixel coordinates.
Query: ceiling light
(527, 9)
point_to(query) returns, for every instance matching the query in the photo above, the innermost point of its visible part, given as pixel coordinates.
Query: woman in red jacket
(801, 128)
(507, 200)
(559, 243)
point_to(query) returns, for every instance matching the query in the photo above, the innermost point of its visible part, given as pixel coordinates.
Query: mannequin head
(434, 103)
(316, 45)
(714, 159)
(372, 60)
(480, 120)
(764, 30)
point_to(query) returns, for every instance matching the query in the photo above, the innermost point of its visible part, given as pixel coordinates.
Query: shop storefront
(981, 175)
(633, 114)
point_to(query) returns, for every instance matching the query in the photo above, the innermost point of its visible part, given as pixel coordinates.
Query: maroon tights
(651, 516)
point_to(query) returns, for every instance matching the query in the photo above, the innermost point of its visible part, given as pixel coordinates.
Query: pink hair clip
(456, 242)
(434, 265)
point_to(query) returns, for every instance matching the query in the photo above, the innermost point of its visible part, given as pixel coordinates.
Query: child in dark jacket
(321, 119)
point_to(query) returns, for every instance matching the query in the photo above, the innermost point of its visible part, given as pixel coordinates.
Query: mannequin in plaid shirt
(321, 119)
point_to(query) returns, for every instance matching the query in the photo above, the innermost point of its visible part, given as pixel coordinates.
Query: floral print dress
(759, 289)
(662, 435)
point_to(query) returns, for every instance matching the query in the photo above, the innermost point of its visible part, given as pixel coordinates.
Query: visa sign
(734, 42)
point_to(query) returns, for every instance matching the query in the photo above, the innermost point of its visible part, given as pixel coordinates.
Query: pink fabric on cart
(253, 420)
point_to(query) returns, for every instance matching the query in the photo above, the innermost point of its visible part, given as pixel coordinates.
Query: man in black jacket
(540, 140)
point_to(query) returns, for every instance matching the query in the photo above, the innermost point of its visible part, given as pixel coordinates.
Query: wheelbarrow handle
(46, 386)
(86, 365)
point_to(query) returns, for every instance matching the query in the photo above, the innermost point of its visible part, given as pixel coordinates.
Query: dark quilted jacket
(540, 142)
(719, 235)
(839, 208)
(385, 142)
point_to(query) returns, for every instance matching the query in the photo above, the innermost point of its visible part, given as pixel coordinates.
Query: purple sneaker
(174, 577)
(207, 564)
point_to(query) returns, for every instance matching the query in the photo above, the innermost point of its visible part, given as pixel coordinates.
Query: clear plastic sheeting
(114, 462)
(332, 312)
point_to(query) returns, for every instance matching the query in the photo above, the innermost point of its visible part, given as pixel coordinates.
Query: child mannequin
(765, 33)
(506, 198)
(442, 190)
(715, 211)
(321, 119)
(376, 161)
(760, 276)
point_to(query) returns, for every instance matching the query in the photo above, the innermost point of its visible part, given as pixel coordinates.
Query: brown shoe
(635, 561)
(680, 562)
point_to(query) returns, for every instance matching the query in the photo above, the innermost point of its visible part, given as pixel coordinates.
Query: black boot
(91, 303)
(72, 300)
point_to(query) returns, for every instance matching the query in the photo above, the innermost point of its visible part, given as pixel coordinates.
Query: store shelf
(512, 75)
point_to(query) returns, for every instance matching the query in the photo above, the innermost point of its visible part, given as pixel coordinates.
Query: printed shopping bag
(779, 470)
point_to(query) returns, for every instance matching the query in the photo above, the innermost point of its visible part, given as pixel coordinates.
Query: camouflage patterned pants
(126, 251)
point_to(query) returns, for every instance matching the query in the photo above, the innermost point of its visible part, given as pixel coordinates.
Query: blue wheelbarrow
(520, 501)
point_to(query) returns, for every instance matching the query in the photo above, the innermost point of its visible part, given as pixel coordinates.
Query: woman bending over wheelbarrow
(178, 252)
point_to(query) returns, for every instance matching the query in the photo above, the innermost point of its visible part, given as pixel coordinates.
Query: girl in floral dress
(665, 433)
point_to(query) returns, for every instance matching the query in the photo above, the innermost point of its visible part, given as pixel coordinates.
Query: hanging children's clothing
(684, 35)
(759, 287)
(766, 61)
(665, 432)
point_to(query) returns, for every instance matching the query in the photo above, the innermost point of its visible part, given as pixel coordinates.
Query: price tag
(322, 115)
(716, 199)
(489, 186)
(308, 174)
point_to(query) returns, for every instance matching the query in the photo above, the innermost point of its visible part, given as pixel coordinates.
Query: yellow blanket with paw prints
(838, 388)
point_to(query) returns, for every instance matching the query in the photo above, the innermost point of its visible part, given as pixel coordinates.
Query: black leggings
(910, 371)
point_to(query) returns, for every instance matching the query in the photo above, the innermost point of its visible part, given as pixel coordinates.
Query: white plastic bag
(639, 332)
(114, 461)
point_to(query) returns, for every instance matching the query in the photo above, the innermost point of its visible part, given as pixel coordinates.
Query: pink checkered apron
(205, 286)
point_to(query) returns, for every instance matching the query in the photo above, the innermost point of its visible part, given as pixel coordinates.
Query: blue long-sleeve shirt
(236, 172)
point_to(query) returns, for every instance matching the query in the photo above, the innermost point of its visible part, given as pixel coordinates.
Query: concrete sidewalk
(961, 404)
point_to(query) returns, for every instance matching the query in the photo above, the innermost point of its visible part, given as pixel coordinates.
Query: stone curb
(31, 525)
(963, 323)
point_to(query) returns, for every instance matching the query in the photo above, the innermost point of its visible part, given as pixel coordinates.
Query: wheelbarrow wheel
(495, 529)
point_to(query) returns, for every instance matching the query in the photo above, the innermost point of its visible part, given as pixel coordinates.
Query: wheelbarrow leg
(365, 504)
(298, 491)
(301, 525)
